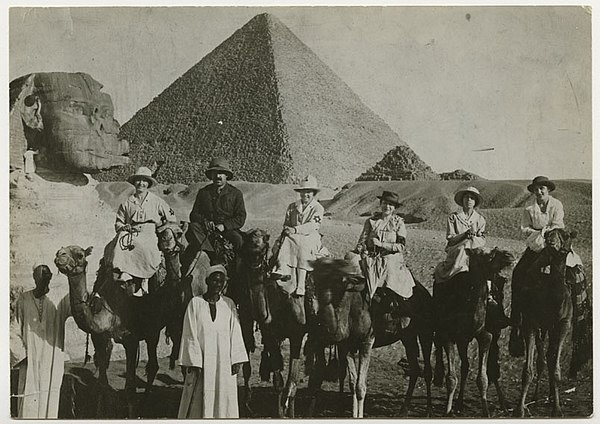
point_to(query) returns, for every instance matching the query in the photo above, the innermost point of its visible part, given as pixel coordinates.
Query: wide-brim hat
(458, 196)
(145, 173)
(308, 183)
(390, 197)
(541, 180)
(219, 164)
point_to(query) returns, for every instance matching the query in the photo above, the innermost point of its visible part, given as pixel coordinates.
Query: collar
(135, 200)
(551, 202)
(310, 205)
(462, 216)
(214, 189)
(378, 216)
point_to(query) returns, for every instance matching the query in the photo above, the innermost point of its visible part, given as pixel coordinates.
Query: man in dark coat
(218, 207)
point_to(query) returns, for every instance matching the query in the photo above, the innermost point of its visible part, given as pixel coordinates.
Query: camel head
(334, 277)
(71, 260)
(169, 237)
(253, 255)
(490, 261)
(559, 240)
(255, 247)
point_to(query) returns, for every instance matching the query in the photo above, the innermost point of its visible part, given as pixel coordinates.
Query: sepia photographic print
(305, 212)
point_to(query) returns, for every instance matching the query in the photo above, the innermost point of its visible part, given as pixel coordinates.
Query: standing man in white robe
(41, 321)
(212, 351)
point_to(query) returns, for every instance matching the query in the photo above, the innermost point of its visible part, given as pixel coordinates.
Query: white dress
(386, 269)
(297, 249)
(41, 377)
(457, 259)
(137, 253)
(213, 346)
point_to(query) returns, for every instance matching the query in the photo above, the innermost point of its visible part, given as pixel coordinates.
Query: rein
(126, 242)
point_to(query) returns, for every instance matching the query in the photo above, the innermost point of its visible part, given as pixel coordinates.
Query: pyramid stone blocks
(265, 101)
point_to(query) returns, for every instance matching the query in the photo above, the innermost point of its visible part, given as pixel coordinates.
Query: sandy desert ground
(53, 211)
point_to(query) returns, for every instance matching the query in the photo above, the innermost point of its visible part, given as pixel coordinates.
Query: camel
(273, 311)
(549, 311)
(343, 318)
(108, 313)
(493, 325)
(346, 318)
(461, 305)
(390, 327)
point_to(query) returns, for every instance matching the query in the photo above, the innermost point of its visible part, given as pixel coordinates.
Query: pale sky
(448, 80)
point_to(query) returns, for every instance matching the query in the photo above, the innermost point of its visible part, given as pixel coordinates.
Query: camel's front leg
(294, 371)
(556, 344)
(493, 369)
(464, 372)
(439, 371)
(174, 330)
(102, 352)
(528, 370)
(272, 362)
(364, 357)
(451, 381)
(315, 380)
(289, 400)
(412, 352)
(247, 324)
(247, 373)
(131, 353)
(426, 341)
(540, 362)
(353, 363)
(484, 339)
(152, 364)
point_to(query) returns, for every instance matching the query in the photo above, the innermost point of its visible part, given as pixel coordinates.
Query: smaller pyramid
(399, 164)
(460, 174)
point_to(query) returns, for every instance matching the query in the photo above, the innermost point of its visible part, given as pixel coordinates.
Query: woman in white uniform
(135, 250)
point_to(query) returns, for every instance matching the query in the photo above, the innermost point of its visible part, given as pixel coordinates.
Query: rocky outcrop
(399, 164)
(265, 101)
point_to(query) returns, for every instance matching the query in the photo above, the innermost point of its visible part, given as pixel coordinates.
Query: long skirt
(456, 260)
(296, 251)
(135, 253)
(388, 271)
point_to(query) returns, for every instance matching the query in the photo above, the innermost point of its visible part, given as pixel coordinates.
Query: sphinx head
(75, 122)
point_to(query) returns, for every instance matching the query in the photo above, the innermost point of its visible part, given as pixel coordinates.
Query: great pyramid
(264, 100)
